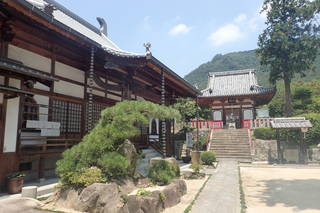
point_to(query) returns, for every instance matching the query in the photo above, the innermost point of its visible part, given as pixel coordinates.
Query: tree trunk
(287, 94)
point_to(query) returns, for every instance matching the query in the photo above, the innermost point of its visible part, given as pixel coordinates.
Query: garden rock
(145, 204)
(97, 197)
(173, 193)
(65, 198)
(128, 150)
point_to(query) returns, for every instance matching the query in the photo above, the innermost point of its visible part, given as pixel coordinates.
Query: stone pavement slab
(221, 193)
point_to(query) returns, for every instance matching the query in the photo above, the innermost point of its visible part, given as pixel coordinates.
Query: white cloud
(179, 29)
(226, 34)
(241, 18)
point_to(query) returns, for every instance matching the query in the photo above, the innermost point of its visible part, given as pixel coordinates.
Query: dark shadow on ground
(299, 194)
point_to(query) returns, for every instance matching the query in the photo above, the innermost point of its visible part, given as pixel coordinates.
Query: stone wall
(314, 155)
(264, 150)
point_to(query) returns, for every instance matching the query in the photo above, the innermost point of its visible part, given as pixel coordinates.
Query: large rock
(99, 198)
(173, 192)
(145, 204)
(128, 150)
(66, 198)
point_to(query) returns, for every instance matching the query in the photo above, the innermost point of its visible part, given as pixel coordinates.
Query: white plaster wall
(11, 127)
(43, 111)
(116, 92)
(41, 86)
(69, 89)
(1, 80)
(29, 58)
(13, 82)
(113, 97)
(69, 72)
(98, 93)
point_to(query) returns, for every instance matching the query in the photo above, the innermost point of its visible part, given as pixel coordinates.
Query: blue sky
(183, 33)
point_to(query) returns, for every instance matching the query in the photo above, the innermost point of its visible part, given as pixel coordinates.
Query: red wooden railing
(207, 124)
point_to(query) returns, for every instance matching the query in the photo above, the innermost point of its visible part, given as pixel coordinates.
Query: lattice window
(96, 114)
(68, 114)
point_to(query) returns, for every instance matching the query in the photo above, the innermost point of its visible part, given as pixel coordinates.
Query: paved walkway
(221, 193)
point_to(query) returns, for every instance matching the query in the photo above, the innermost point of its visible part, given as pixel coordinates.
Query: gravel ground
(281, 189)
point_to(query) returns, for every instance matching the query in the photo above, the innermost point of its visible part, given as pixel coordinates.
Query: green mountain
(236, 61)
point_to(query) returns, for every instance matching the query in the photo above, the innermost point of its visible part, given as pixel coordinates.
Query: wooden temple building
(233, 97)
(57, 72)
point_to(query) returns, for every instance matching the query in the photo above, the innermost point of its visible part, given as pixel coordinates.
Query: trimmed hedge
(265, 133)
(208, 158)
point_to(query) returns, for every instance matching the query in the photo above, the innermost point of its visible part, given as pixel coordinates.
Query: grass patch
(243, 204)
(188, 209)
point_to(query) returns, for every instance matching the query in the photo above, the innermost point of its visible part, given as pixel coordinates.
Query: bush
(208, 158)
(265, 133)
(83, 178)
(163, 172)
(114, 165)
(143, 192)
(196, 168)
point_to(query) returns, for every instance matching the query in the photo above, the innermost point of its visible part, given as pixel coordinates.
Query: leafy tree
(289, 43)
(117, 123)
(187, 108)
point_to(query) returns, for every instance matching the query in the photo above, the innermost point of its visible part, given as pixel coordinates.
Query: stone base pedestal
(29, 191)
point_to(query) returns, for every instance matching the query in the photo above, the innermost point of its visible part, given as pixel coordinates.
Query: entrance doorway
(232, 116)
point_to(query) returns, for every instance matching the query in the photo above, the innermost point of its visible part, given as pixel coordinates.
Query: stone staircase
(231, 143)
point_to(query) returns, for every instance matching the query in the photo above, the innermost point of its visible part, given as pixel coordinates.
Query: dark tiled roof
(74, 22)
(290, 123)
(234, 83)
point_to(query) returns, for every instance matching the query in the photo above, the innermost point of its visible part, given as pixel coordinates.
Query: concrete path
(221, 193)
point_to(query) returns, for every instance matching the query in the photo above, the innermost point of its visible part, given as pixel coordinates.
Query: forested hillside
(235, 61)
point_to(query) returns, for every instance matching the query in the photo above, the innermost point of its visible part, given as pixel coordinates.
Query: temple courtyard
(290, 188)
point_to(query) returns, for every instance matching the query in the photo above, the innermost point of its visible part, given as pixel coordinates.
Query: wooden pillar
(163, 121)
(279, 151)
(302, 149)
(90, 90)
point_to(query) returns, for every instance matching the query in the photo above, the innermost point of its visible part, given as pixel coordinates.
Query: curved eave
(260, 98)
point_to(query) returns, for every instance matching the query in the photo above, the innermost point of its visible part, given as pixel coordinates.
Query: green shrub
(208, 158)
(265, 133)
(196, 168)
(83, 178)
(163, 172)
(113, 165)
(143, 192)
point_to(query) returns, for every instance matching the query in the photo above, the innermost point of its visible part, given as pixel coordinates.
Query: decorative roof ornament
(147, 46)
(103, 27)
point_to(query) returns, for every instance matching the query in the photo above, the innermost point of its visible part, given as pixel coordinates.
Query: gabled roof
(76, 23)
(234, 83)
(73, 24)
(290, 123)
